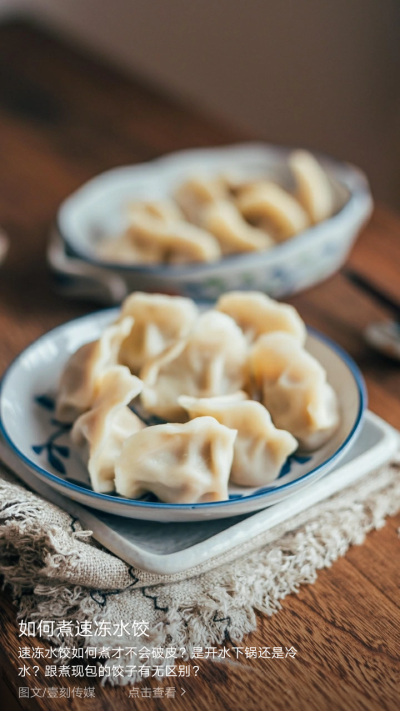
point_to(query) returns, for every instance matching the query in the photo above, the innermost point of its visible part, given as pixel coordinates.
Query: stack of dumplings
(232, 391)
(209, 217)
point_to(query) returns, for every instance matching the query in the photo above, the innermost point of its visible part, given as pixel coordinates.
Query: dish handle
(91, 281)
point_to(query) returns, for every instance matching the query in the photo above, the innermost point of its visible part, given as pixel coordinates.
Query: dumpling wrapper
(260, 449)
(180, 464)
(84, 369)
(101, 431)
(198, 192)
(174, 242)
(256, 313)
(122, 249)
(127, 248)
(233, 233)
(269, 203)
(159, 321)
(294, 389)
(210, 361)
(314, 191)
(165, 210)
(235, 181)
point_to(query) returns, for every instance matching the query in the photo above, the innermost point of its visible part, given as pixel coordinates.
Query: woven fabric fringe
(56, 571)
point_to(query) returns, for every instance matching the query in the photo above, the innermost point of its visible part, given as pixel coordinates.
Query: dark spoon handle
(362, 283)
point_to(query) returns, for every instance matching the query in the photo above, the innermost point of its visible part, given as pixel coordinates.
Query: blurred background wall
(319, 73)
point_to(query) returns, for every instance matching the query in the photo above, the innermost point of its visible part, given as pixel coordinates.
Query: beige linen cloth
(58, 572)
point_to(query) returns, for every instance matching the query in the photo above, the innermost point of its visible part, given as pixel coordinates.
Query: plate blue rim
(348, 360)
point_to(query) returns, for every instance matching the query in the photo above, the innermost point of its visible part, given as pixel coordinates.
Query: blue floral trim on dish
(298, 458)
(54, 451)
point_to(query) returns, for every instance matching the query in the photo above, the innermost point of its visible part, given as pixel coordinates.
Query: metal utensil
(383, 336)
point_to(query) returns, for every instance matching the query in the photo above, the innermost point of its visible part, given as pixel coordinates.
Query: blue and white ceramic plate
(29, 427)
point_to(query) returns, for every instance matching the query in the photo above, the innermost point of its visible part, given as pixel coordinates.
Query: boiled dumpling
(294, 389)
(131, 246)
(101, 432)
(269, 203)
(237, 396)
(260, 449)
(313, 188)
(233, 233)
(174, 242)
(235, 181)
(165, 210)
(210, 361)
(82, 374)
(159, 321)
(182, 464)
(122, 249)
(256, 313)
(198, 192)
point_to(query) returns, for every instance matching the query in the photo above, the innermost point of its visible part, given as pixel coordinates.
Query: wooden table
(64, 118)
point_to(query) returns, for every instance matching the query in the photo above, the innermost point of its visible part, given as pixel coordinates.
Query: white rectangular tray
(168, 548)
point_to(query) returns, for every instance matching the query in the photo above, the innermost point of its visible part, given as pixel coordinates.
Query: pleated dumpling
(234, 234)
(294, 389)
(165, 210)
(180, 464)
(260, 449)
(123, 249)
(268, 203)
(313, 187)
(128, 247)
(198, 192)
(210, 361)
(101, 431)
(84, 369)
(159, 321)
(174, 241)
(256, 313)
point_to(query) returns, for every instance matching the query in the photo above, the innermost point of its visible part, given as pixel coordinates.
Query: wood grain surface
(63, 118)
